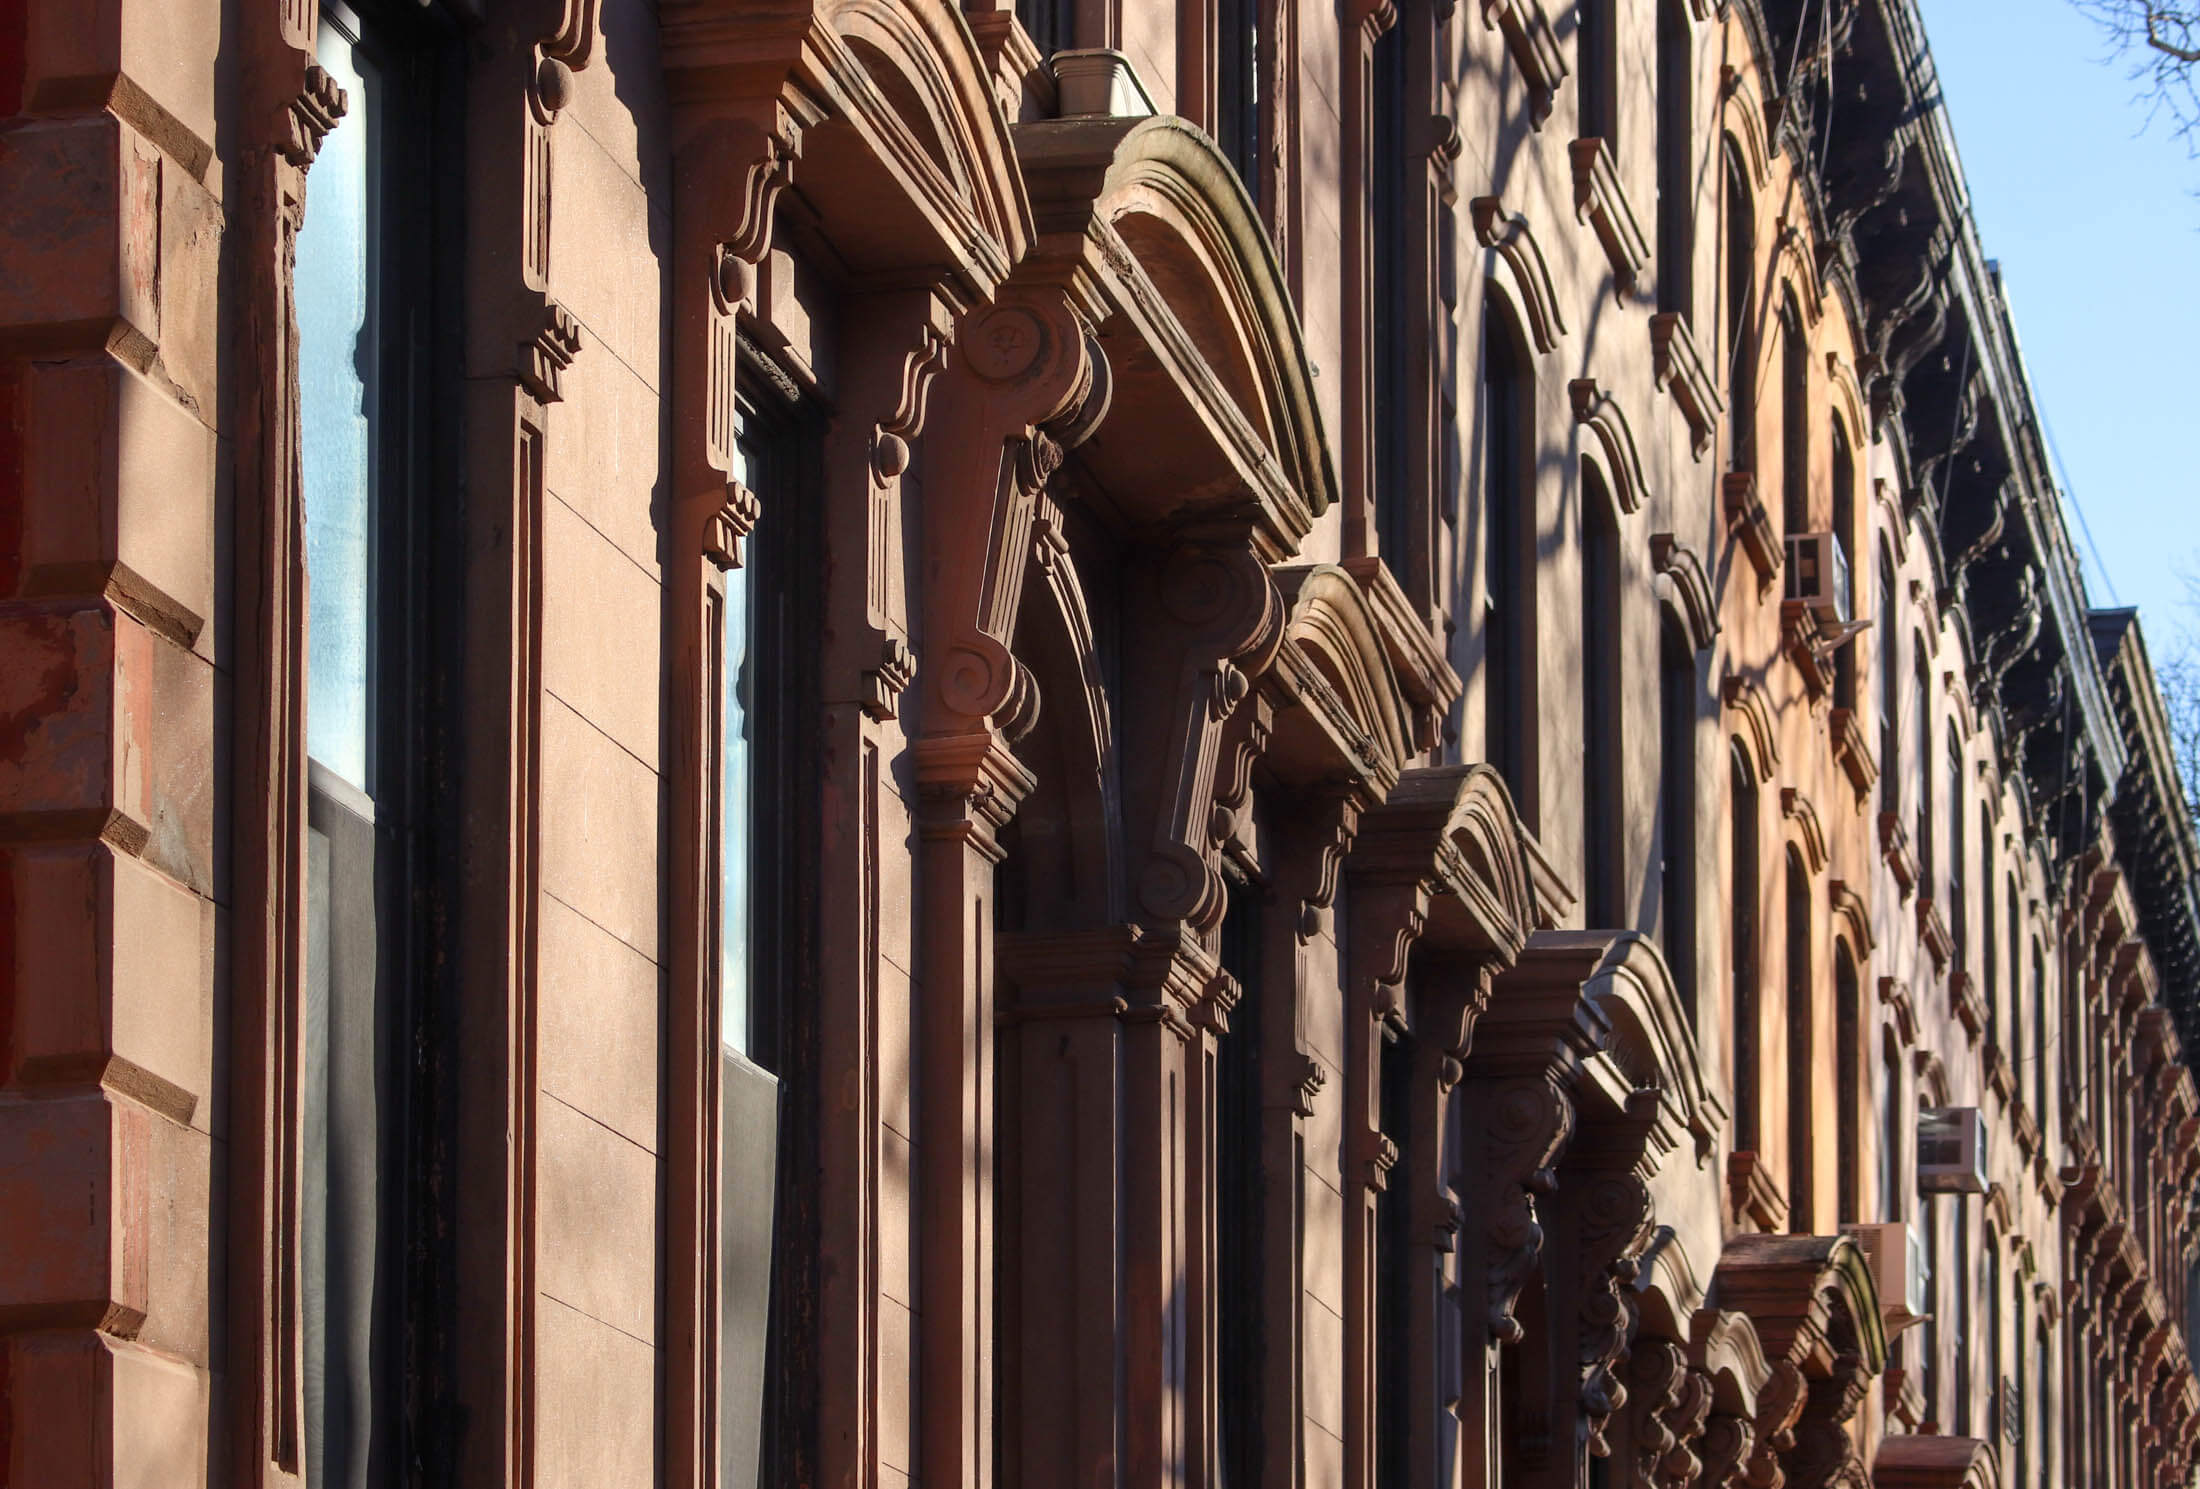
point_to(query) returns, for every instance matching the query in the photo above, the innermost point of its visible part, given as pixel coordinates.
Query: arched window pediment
(1214, 399)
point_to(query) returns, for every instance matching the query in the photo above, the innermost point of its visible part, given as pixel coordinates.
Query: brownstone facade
(1113, 743)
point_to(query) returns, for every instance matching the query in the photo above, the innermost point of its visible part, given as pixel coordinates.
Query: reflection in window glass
(336, 378)
(735, 787)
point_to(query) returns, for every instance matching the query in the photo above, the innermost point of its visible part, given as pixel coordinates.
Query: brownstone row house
(1239, 743)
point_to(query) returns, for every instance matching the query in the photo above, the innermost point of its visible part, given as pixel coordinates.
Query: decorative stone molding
(1509, 235)
(1679, 568)
(1534, 48)
(1739, 93)
(1901, 1008)
(1600, 201)
(1680, 370)
(1601, 414)
(1805, 646)
(1758, 731)
(1809, 832)
(1853, 916)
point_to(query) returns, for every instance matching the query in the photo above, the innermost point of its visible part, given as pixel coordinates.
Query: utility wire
(2070, 499)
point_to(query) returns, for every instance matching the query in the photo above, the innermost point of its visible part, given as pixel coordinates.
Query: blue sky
(2095, 217)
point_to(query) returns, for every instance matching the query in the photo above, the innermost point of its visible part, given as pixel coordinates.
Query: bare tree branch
(2162, 43)
(2158, 37)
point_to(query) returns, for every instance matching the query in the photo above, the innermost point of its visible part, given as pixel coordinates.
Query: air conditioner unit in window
(1818, 576)
(1951, 1150)
(1895, 1252)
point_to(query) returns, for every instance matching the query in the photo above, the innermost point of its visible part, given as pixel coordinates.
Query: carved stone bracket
(313, 112)
(734, 520)
(884, 684)
(1750, 524)
(1853, 752)
(1534, 48)
(1680, 370)
(544, 358)
(1600, 201)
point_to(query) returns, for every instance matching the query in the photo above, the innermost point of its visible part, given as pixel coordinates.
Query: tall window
(1397, 1397)
(2020, 1373)
(1959, 1326)
(1929, 1223)
(2019, 1052)
(1849, 1075)
(372, 304)
(1676, 250)
(1238, 104)
(1959, 916)
(1509, 574)
(1742, 946)
(1741, 338)
(1844, 536)
(1989, 942)
(1393, 417)
(766, 843)
(1794, 419)
(2044, 1361)
(1598, 53)
(1990, 1299)
(1890, 688)
(1603, 758)
(1921, 724)
(1801, 1079)
(1677, 780)
(2039, 1034)
(1052, 24)
(1890, 1130)
(1242, 1340)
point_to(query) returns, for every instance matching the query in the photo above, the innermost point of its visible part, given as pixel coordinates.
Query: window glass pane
(336, 352)
(735, 787)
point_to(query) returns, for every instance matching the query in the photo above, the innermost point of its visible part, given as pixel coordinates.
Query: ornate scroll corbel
(1615, 1225)
(1779, 1402)
(1727, 1445)
(1225, 619)
(1529, 1122)
(1669, 1404)
(1825, 1456)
